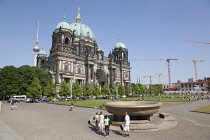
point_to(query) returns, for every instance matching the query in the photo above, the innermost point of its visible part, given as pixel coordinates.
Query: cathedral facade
(75, 55)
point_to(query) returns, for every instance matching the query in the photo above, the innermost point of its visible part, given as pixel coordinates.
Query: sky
(150, 29)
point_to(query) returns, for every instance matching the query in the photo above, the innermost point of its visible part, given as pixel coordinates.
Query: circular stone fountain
(141, 116)
(137, 110)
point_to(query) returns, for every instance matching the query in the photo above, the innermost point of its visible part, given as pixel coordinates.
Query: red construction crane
(197, 41)
(169, 71)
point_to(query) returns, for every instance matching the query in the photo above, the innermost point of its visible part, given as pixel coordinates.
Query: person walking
(127, 125)
(16, 105)
(101, 122)
(71, 107)
(106, 122)
(12, 104)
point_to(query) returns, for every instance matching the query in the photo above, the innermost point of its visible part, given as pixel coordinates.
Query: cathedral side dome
(42, 52)
(119, 45)
(63, 24)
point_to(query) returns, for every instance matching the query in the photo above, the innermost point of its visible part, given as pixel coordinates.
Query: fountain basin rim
(148, 104)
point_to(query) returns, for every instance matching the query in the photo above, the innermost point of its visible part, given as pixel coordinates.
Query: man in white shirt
(127, 124)
(101, 121)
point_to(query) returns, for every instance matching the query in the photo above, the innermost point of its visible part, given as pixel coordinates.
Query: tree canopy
(105, 90)
(64, 89)
(121, 90)
(87, 91)
(50, 89)
(96, 90)
(17, 80)
(76, 90)
(34, 90)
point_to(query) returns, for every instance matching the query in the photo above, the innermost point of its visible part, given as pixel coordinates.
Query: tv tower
(36, 47)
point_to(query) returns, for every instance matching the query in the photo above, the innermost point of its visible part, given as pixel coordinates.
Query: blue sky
(150, 29)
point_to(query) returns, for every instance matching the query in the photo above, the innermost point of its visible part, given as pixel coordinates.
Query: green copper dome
(100, 49)
(119, 45)
(63, 24)
(42, 52)
(82, 30)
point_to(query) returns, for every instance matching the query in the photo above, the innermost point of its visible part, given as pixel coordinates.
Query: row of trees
(34, 82)
(94, 90)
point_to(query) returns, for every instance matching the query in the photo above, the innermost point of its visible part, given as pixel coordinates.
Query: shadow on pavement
(118, 133)
(96, 130)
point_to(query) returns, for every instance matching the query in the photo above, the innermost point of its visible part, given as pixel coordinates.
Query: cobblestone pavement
(41, 121)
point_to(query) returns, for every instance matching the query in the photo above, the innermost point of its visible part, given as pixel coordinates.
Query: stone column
(57, 81)
(111, 76)
(72, 67)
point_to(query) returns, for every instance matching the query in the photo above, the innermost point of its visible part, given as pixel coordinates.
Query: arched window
(79, 70)
(66, 67)
(66, 41)
(42, 62)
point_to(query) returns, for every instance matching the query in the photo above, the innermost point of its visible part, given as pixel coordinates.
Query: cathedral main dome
(79, 29)
(82, 30)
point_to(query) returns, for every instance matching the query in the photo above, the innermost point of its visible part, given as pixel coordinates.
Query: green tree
(50, 89)
(9, 81)
(151, 90)
(113, 90)
(87, 91)
(64, 89)
(160, 89)
(96, 90)
(43, 76)
(133, 85)
(26, 75)
(137, 89)
(121, 90)
(105, 90)
(76, 89)
(34, 90)
(127, 90)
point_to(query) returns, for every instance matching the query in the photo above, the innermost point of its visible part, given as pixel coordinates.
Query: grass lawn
(156, 98)
(97, 103)
(204, 109)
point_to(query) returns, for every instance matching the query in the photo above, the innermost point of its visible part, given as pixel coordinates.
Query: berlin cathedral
(75, 55)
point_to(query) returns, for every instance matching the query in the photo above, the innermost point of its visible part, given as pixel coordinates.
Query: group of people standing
(103, 122)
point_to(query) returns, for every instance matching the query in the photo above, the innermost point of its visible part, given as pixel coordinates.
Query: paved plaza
(42, 121)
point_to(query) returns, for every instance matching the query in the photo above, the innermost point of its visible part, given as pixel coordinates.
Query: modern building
(190, 87)
(193, 87)
(75, 55)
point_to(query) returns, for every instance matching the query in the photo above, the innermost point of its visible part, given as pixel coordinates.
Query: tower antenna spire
(37, 32)
(36, 47)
